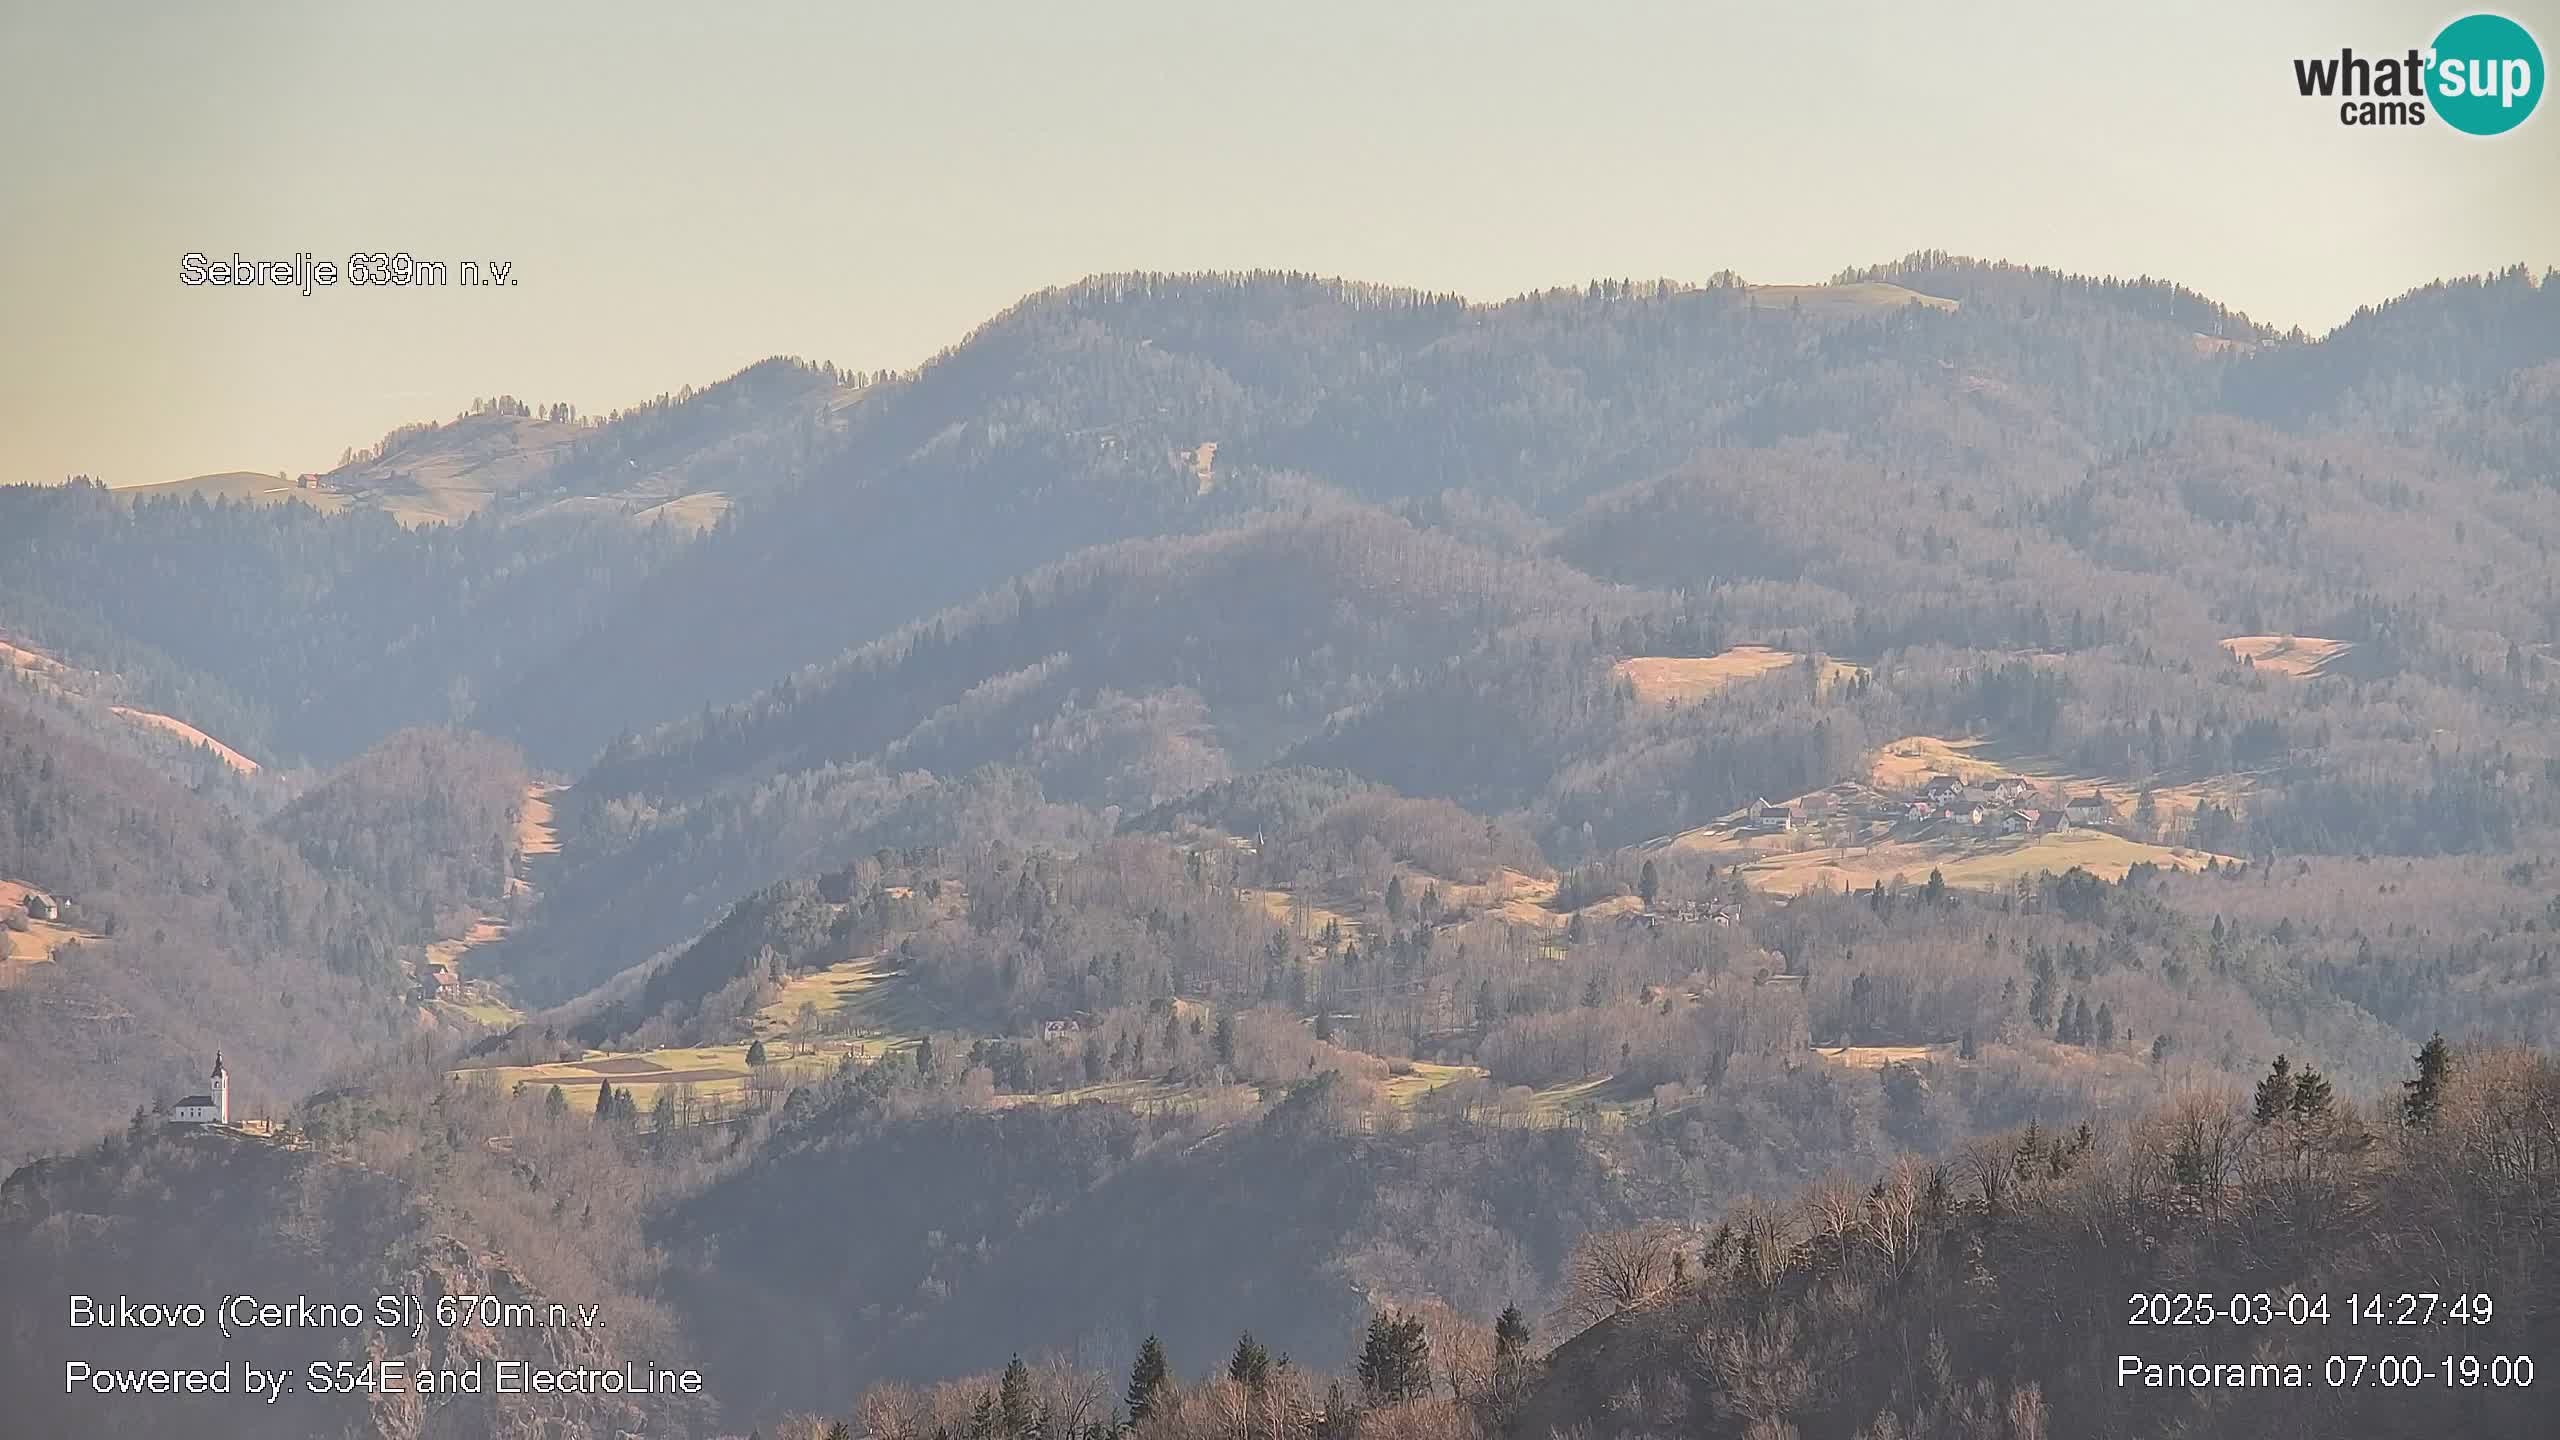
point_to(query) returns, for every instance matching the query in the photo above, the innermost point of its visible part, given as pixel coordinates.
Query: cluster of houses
(2009, 805)
(1682, 912)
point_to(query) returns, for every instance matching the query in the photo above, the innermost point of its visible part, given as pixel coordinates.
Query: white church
(213, 1109)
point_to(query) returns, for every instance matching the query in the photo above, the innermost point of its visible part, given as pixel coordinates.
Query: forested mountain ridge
(1081, 417)
(2025, 506)
(186, 928)
(296, 635)
(1451, 783)
(2002, 1292)
(2293, 1264)
(173, 1218)
(299, 635)
(189, 931)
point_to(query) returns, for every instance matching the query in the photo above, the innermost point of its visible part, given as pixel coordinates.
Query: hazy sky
(685, 188)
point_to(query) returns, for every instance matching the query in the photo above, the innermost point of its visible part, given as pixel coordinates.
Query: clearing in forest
(1862, 298)
(52, 675)
(2297, 656)
(697, 512)
(864, 999)
(1145, 1097)
(478, 999)
(25, 940)
(1681, 679)
(535, 833)
(1410, 1080)
(1977, 865)
(712, 1072)
(1908, 764)
(246, 485)
(1307, 916)
(864, 1011)
(23, 659)
(193, 736)
(1876, 1057)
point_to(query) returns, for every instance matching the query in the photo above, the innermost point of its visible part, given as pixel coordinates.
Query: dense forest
(185, 928)
(1643, 859)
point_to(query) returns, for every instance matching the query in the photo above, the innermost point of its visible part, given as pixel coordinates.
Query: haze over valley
(1654, 857)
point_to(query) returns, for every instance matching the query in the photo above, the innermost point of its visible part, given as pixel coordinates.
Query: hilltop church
(212, 1109)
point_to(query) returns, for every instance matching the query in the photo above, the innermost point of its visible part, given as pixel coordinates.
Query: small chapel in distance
(209, 1109)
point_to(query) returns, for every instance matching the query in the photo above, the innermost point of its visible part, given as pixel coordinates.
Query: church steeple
(221, 1091)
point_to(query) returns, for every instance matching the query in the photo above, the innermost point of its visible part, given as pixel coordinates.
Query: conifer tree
(2311, 1096)
(1016, 1411)
(2275, 1093)
(1148, 1380)
(1250, 1366)
(1395, 1359)
(2423, 1095)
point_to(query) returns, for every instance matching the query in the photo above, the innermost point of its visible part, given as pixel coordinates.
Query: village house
(1058, 1029)
(1942, 787)
(41, 906)
(213, 1108)
(2021, 822)
(1767, 819)
(2089, 809)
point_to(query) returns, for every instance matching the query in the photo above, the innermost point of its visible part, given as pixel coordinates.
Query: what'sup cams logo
(2482, 75)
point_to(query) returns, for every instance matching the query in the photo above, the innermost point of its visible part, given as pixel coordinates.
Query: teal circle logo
(2486, 76)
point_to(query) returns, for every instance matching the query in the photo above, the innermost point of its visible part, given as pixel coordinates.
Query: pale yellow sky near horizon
(686, 189)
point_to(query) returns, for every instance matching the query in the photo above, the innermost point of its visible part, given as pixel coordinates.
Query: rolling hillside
(1231, 801)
